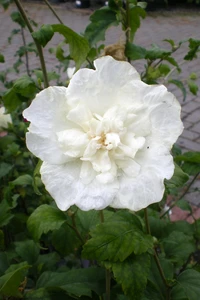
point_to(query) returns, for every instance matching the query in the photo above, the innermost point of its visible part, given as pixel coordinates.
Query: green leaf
(135, 13)
(184, 205)
(193, 87)
(170, 41)
(193, 76)
(17, 17)
(193, 157)
(117, 238)
(5, 214)
(164, 69)
(5, 169)
(178, 247)
(65, 240)
(10, 282)
(4, 264)
(23, 180)
(194, 48)
(77, 282)
(132, 275)
(75, 41)
(44, 219)
(101, 20)
(178, 179)
(25, 86)
(135, 52)
(28, 251)
(188, 286)
(36, 174)
(11, 100)
(156, 52)
(43, 35)
(2, 60)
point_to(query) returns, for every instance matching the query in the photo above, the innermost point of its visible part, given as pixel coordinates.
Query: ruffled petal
(65, 186)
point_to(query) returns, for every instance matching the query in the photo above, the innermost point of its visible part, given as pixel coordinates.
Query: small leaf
(17, 17)
(184, 205)
(189, 156)
(170, 41)
(2, 60)
(178, 179)
(10, 282)
(164, 69)
(117, 238)
(193, 76)
(135, 52)
(11, 100)
(25, 86)
(44, 219)
(43, 35)
(23, 180)
(5, 214)
(156, 52)
(193, 87)
(132, 275)
(75, 41)
(194, 48)
(188, 285)
(180, 85)
(101, 20)
(135, 13)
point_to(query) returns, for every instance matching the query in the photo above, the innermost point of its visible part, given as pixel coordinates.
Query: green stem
(53, 11)
(128, 24)
(156, 255)
(38, 46)
(107, 271)
(181, 196)
(26, 53)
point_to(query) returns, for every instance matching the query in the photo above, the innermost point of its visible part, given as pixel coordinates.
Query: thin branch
(39, 48)
(53, 11)
(181, 196)
(26, 53)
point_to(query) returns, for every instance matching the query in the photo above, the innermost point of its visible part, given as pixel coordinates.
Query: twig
(39, 48)
(26, 53)
(53, 11)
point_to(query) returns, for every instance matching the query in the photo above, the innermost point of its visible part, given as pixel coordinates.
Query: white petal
(101, 161)
(64, 185)
(73, 142)
(87, 173)
(46, 149)
(138, 193)
(80, 115)
(130, 167)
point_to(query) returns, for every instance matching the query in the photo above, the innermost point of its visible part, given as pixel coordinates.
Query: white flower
(106, 139)
(4, 119)
(70, 72)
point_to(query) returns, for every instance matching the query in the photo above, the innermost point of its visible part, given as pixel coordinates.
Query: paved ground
(157, 26)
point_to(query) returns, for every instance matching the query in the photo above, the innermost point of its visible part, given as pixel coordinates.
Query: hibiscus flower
(105, 140)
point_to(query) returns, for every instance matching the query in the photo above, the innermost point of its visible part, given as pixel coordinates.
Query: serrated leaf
(45, 218)
(117, 238)
(135, 13)
(77, 282)
(75, 41)
(178, 179)
(156, 52)
(25, 86)
(178, 247)
(10, 282)
(43, 35)
(132, 275)
(23, 180)
(193, 87)
(188, 286)
(11, 100)
(101, 20)
(135, 52)
(194, 48)
(2, 60)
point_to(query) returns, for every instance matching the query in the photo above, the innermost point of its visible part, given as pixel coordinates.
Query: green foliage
(44, 219)
(49, 254)
(101, 20)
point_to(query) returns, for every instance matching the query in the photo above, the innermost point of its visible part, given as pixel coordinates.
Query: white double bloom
(106, 139)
